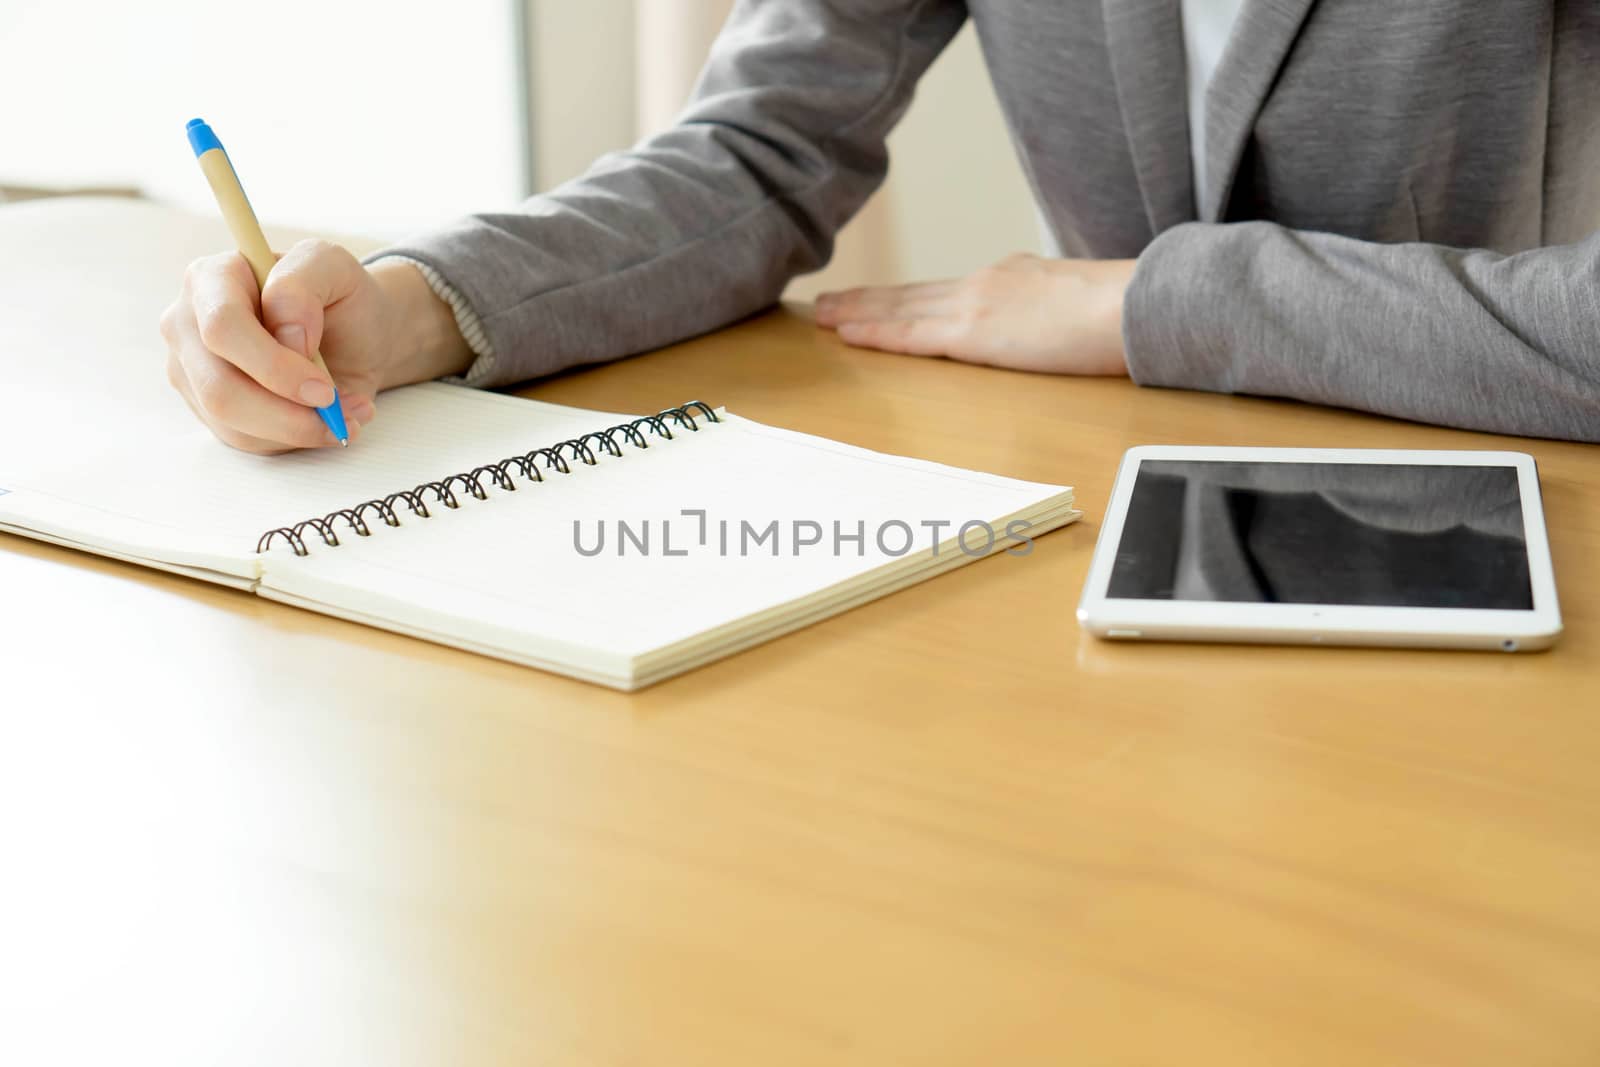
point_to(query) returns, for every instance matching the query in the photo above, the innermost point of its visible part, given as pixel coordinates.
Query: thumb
(309, 278)
(292, 335)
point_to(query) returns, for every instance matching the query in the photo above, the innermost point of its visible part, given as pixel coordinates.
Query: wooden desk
(946, 828)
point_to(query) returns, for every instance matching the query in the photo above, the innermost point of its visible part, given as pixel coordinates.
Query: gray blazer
(1405, 197)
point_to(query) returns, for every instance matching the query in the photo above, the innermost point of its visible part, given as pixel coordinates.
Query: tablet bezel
(1127, 618)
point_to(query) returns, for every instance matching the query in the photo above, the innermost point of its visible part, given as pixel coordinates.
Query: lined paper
(733, 531)
(512, 562)
(190, 490)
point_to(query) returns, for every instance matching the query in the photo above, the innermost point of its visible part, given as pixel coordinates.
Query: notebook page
(188, 494)
(514, 572)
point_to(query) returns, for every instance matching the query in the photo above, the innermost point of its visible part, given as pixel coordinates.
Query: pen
(246, 230)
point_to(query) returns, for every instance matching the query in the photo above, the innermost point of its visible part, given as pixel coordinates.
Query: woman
(1382, 206)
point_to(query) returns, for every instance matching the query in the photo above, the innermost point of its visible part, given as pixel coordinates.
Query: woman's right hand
(240, 357)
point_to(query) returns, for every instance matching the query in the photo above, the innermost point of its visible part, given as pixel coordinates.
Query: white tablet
(1324, 546)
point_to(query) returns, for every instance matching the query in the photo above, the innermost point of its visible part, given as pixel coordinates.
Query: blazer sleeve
(705, 223)
(1457, 337)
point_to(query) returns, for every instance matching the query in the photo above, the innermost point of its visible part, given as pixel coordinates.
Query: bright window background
(377, 117)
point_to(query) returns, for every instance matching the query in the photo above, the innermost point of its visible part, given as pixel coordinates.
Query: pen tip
(344, 442)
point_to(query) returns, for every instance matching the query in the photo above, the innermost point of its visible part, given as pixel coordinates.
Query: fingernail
(363, 412)
(317, 394)
(293, 337)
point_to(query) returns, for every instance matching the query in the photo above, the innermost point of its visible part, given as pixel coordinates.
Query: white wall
(390, 117)
(584, 83)
(353, 116)
(955, 199)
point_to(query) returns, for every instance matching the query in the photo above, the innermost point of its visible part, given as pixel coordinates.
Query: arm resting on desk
(1508, 344)
(706, 222)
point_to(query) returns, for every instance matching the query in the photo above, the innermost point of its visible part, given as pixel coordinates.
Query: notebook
(617, 549)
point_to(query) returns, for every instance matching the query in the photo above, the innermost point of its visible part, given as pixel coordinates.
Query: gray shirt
(1401, 210)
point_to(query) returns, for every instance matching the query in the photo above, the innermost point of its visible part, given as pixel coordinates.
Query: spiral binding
(556, 457)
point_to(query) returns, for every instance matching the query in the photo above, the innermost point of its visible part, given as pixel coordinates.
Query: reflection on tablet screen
(1324, 533)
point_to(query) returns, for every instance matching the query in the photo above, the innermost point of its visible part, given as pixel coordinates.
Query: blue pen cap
(201, 139)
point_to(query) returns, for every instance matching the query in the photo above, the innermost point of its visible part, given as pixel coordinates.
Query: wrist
(423, 340)
(1108, 355)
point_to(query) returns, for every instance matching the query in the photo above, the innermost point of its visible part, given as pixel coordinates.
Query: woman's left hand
(1060, 316)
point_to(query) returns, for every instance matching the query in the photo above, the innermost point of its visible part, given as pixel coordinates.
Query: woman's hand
(240, 357)
(1061, 316)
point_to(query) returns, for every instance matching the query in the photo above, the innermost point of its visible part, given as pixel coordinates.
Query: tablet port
(1508, 645)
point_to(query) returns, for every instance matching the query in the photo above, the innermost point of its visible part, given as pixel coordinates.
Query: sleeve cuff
(1181, 319)
(481, 372)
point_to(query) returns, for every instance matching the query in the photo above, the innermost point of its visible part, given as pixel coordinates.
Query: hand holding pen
(245, 333)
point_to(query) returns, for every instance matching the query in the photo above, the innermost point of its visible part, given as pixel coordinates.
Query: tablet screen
(1324, 533)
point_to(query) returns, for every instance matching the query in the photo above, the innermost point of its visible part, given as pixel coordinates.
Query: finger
(308, 279)
(908, 307)
(236, 407)
(912, 337)
(359, 407)
(243, 442)
(222, 291)
(878, 302)
(178, 330)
